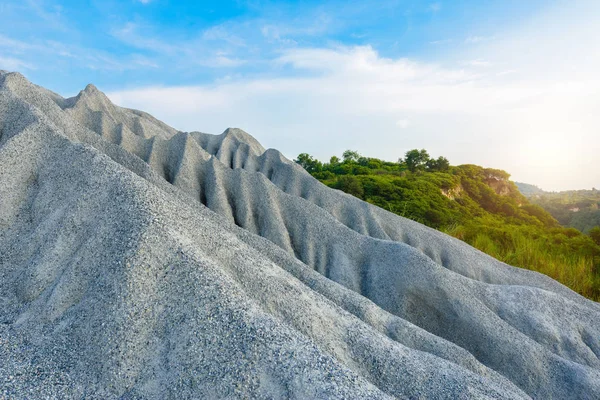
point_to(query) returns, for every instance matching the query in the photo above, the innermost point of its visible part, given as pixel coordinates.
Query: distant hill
(579, 209)
(528, 190)
(478, 205)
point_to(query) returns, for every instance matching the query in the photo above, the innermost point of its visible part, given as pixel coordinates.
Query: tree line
(414, 161)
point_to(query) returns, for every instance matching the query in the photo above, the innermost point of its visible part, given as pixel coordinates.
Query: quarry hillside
(138, 261)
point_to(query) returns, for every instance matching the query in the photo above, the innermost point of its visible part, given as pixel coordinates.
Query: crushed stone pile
(138, 261)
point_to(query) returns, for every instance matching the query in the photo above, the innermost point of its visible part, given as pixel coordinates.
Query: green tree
(350, 156)
(309, 163)
(441, 164)
(364, 161)
(416, 159)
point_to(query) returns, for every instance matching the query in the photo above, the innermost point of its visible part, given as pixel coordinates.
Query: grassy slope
(477, 205)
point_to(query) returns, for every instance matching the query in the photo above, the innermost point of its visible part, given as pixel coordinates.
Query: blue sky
(506, 84)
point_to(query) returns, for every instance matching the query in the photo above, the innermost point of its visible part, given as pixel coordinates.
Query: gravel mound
(137, 261)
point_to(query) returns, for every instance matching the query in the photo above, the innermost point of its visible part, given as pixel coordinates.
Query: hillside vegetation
(480, 206)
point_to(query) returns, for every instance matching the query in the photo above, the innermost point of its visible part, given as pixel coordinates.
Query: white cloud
(14, 45)
(363, 64)
(477, 63)
(441, 41)
(317, 24)
(142, 61)
(33, 55)
(222, 60)
(223, 33)
(190, 53)
(130, 34)
(479, 39)
(14, 64)
(348, 81)
(51, 15)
